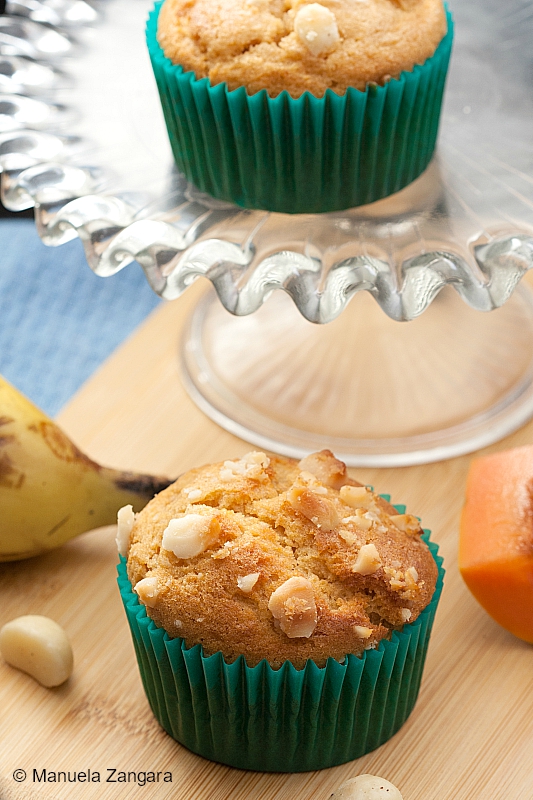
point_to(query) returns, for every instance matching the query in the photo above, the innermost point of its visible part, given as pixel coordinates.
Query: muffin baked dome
(271, 558)
(299, 46)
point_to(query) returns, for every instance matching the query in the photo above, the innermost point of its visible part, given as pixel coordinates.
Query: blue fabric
(58, 320)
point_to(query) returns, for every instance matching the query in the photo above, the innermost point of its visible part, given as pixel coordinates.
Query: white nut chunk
(362, 632)
(324, 466)
(368, 560)
(356, 496)
(316, 27)
(411, 576)
(39, 646)
(313, 483)
(148, 591)
(125, 520)
(190, 535)
(192, 494)
(251, 465)
(247, 582)
(293, 605)
(406, 523)
(316, 508)
(367, 787)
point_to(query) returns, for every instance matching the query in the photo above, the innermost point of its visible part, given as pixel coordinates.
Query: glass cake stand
(82, 141)
(375, 391)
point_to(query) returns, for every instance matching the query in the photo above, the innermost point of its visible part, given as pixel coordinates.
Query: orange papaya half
(496, 538)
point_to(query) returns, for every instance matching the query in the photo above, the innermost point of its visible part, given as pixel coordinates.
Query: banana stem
(145, 486)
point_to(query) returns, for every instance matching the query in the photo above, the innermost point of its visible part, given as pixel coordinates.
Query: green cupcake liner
(284, 720)
(304, 155)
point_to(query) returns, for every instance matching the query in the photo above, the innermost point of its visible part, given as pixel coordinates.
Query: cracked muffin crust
(272, 558)
(298, 46)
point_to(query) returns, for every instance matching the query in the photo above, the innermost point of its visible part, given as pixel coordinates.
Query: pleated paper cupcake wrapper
(284, 720)
(301, 155)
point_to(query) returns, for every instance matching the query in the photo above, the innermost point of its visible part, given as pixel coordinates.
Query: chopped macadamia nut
(412, 587)
(39, 646)
(293, 605)
(350, 537)
(148, 591)
(411, 575)
(359, 519)
(247, 582)
(193, 494)
(316, 27)
(125, 521)
(368, 560)
(361, 632)
(374, 519)
(406, 523)
(190, 535)
(363, 521)
(324, 466)
(366, 787)
(356, 496)
(406, 614)
(310, 480)
(406, 584)
(396, 576)
(317, 509)
(252, 465)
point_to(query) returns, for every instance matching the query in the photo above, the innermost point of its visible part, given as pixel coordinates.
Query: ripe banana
(49, 490)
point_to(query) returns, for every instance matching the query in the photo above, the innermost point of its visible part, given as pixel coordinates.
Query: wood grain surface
(470, 736)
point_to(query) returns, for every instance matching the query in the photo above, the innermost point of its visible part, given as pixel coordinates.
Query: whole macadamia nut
(366, 787)
(39, 646)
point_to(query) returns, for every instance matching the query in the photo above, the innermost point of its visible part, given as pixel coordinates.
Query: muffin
(280, 611)
(297, 46)
(301, 107)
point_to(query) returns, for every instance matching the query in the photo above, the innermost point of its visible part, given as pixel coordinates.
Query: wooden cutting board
(470, 736)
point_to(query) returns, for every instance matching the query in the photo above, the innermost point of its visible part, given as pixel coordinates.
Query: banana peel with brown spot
(50, 491)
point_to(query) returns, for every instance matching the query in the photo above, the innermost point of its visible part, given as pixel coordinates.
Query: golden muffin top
(298, 45)
(272, 558)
